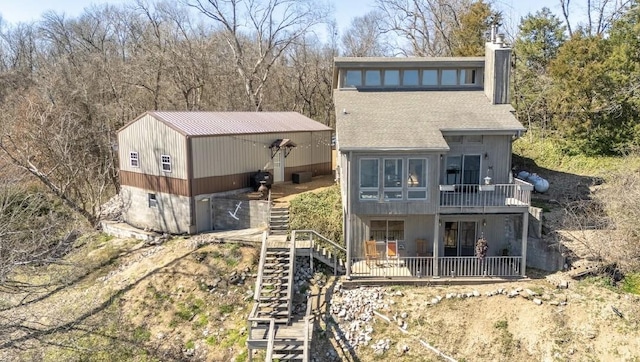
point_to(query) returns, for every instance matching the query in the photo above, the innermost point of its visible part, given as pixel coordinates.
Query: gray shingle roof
(221, 123)
(415, 120)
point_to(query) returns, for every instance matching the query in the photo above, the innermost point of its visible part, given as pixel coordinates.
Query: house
(424, 148)
(176, 167)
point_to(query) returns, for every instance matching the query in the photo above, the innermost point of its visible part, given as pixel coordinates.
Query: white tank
(523, 175)
(539, 184)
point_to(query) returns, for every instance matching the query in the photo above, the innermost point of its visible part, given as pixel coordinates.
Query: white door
(203, 216)
(278, 166)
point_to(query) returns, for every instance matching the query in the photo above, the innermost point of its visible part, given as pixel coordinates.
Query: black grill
(256, 177)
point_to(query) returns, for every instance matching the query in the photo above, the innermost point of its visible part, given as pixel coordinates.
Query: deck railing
(419, 267)
(502, 195)
(335, 252)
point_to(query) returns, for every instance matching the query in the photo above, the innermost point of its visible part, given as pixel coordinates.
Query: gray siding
(151, 139)
(498, 156)
(171, 215)
(229, 155)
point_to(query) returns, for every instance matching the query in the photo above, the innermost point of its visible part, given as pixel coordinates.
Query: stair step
(276, 284)
(266, 299)
(274, 306)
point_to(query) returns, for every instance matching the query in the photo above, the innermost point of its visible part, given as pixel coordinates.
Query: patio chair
(371, 252)
(420, 250)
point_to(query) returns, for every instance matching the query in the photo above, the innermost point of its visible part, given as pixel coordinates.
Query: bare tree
(258, 32)
(31, 227)
(426, 24)
(365, 38)
(599, 14)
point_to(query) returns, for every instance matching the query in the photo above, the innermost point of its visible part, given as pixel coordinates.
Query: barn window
(133, 159)
(153, 201)
(166, 163)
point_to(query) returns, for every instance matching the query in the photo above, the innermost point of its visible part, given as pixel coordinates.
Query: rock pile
(355, 307)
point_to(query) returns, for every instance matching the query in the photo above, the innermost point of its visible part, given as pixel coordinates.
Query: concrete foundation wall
(544, 255)
(171, 215)
(233, 214)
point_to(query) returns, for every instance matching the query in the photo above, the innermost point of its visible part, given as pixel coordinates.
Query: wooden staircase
(270, 322)
(279, 220)
(274, 294)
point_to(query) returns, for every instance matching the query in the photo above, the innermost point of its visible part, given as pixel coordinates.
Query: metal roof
(223, 123)
(416, 119)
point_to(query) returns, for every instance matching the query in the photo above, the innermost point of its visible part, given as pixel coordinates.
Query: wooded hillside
(68, 84)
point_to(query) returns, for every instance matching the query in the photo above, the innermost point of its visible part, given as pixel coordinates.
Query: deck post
(436, 238)
(525, 229)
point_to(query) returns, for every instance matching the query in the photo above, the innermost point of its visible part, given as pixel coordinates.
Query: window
(372, 78)
(430, 77)
(153, 201)
(369, 179)
(353, 78)
(467, 76)
(453, 139)
(166, 163)
(402, 179)
(392, 77)
(417, 181)
(387, 230)
(463, 169)
(410, 77)
(133, 159)
(393, 179)
(473, 139)
(449, 77)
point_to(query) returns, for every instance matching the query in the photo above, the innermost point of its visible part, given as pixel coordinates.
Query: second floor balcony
(485, 198)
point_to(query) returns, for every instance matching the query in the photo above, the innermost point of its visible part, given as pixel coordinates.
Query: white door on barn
(203, 215)
(278, 166)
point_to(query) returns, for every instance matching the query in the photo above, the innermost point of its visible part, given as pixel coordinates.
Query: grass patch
(631, 283)
(233, 338)
(212, 340)
(508, 345)
(190, 344)
(187, 311)
(141, 334)
(321, 211)
(549, 153)
(227, 308)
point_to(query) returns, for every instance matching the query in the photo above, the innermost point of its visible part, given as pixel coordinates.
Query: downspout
(348, 216)
(192, 207)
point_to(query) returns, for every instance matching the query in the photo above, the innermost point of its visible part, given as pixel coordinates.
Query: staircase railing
(270, 340)
(263, 256)
(292, 260)
(309, 318)
(269, 206)
(337, 252)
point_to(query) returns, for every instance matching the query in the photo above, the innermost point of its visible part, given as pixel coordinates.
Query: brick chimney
(497, 68)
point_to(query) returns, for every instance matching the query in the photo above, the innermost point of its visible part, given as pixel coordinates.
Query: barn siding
(215, 156)
(154, 183)
(151, 139)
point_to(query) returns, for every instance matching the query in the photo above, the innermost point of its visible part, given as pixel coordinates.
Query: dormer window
(414, 78)
(430, 77)
(449, 77)
(410, 77)
(392, 77)
(353, 78)
(372, 78)
(467, 76)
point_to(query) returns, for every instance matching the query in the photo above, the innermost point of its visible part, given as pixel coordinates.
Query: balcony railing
(502, 195)
(419, 267)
